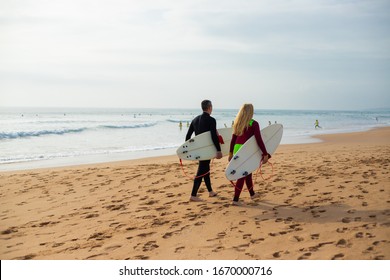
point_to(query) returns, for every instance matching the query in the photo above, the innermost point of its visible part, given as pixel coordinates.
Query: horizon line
(179, 108)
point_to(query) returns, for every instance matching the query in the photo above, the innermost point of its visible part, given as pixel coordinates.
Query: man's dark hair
(206, 104)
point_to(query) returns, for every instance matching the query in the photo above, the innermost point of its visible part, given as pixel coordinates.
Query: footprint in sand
(359, 235)
(346, 220)
(159, 222)
(55, 245)
(149, 246)
(179, 249)
(338, 256)
(305, 256)
(112, 248)
(257, 241)
(150, 202)
(315, 236)
(296, 238)
(168, 234)
(89, 216)
(246, 236)
(176, 224)
(241, 248)
(287, 201)
(99, 236)
(218, 249)
(162, 208)
(146, 234)
(26, 257)
(114, 207)
(342, 243)
(141, 257)
(341, 230)
(9, 230)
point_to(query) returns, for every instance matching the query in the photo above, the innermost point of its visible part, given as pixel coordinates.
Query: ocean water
(43, 137)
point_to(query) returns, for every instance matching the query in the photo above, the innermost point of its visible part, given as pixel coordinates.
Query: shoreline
(325, 201)
(88, 160)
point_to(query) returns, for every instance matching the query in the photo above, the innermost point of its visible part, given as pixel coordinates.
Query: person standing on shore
(201, 124)
(244, 128)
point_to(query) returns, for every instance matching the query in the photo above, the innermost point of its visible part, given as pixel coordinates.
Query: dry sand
(325, 201)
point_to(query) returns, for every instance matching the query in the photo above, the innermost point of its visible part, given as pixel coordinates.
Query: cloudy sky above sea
(276, 54)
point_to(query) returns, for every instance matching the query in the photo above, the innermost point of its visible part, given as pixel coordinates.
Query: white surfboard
(248, 158)
(201, 147)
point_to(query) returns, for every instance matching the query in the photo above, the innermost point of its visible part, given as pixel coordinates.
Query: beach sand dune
(325, 201)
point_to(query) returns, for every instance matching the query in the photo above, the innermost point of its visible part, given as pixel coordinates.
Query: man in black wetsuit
(200, 124)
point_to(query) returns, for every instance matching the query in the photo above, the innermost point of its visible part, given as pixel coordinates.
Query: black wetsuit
(200, 124)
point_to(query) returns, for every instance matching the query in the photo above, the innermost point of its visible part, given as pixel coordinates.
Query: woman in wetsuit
(244, 128)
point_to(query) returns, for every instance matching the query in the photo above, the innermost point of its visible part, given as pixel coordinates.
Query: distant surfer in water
(244, 128)
(200, 124)
(317, 124)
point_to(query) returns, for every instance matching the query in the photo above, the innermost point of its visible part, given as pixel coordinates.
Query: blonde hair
(243, 118)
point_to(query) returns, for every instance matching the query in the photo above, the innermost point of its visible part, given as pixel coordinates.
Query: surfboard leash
(195, 177)
(256, 174)
(261, 173)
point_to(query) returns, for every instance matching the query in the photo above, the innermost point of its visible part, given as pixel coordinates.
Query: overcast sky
(276, 54)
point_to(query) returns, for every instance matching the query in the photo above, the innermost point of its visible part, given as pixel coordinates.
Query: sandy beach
(325, 201)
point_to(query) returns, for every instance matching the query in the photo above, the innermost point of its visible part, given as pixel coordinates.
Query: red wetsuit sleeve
(259, 139)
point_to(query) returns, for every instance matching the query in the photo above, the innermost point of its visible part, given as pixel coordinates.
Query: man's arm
(214, 135)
